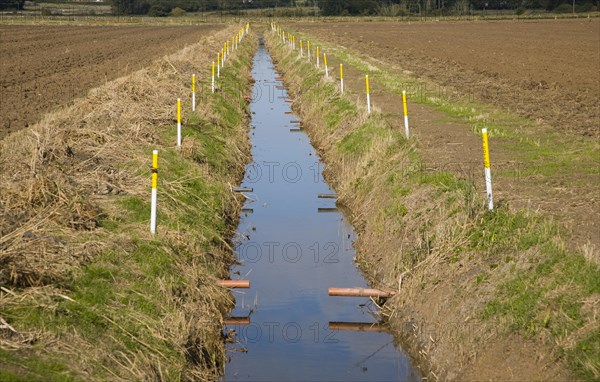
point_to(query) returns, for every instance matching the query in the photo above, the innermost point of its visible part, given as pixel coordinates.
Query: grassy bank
(87, 292)
(479, 293)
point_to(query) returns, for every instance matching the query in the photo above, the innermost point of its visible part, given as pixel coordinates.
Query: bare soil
(547, 69)
(515, 65)
(43, 67)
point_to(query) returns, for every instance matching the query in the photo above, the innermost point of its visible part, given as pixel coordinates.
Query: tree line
(334, 7)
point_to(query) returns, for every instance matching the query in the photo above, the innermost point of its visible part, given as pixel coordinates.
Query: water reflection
(292, 252)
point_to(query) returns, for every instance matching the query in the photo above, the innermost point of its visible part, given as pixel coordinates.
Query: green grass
(549, 153)
(118, 300)
(23, 368)
(539, 285)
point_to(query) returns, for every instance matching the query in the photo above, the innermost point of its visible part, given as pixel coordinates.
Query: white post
(368, 94)
(488, 171)
(178, 122)
(342, 78)
(193, 92)
(154, 196)
(213, 77)
(406, 130)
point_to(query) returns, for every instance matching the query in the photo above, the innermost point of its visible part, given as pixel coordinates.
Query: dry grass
(62, 179)
(428, 234)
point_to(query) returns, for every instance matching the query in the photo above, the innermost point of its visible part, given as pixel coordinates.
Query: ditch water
(293, 246)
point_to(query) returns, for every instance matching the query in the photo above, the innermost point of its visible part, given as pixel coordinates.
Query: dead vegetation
(481, 296)
(84, 285)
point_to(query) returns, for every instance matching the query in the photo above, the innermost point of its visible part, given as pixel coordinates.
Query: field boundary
(87, 292)
(460, 270)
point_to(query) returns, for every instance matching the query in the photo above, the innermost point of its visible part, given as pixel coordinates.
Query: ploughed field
(543, 69)
(42, 67)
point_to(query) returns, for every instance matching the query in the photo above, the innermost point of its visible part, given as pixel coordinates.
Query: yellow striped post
(219, 65)
(487, 169)
(368, 94)
(154, 195)
(178, 122)
(301, 48)
(308, 50)
(405, 108)
(325, 63)
(193, 92)
(342, 78)
(213, 76)
(317, 54)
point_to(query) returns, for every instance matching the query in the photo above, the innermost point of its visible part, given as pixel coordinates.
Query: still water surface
(292, 252)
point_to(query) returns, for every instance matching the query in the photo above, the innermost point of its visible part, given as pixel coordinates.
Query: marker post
(193, 92)
(368, 94)
(342, 78)
(154, 195)
(179, 123)
(487, 170)
(406, 130)
(213, 77)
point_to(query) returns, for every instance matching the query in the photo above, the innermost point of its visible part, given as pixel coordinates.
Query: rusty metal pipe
(234, 283)
(361, 292)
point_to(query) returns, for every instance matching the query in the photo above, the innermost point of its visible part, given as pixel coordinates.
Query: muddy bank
(427, 235)
(87, 292)
(293, 244)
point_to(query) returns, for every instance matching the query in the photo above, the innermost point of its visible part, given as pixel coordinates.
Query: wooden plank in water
(234, 283)
(361, 292)
(357, 326)
(327, 209)
(327, 196)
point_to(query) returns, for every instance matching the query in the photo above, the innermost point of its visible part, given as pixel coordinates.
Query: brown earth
(546, 69)
(43, 67)
(437, 315)
(509, 65)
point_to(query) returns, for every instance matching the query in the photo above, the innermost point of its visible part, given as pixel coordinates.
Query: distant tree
(130, 7)
(351, 7)
(333, 7)
(12, 4)
(157, 11)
